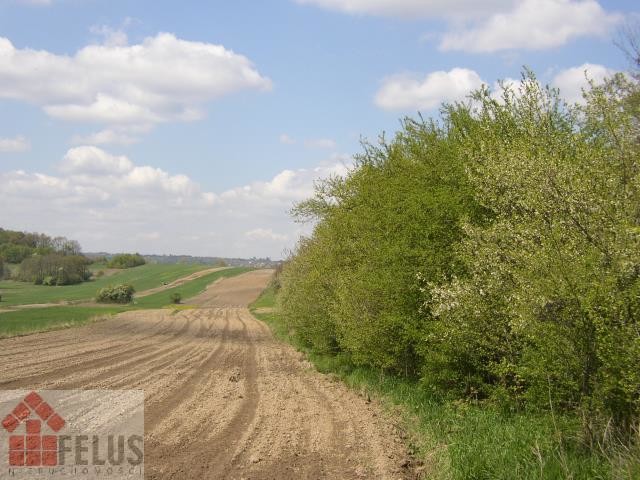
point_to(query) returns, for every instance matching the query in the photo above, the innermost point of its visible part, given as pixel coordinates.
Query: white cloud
(109, 110)
(265, 234)
(94, 161)
(113, 136)
(288, 185)
(286, 139)
(572, 81)
(162, 79)
(533, 25)
(14, 145)
(413, 8)
(112, 37)
(109, 203)
(407, 92)
(489, 26)
(320, 143)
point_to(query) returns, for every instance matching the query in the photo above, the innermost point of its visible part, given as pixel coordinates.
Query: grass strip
(32, 320)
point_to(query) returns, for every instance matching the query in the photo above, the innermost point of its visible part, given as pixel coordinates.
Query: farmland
(142, 278)
(28, 320)
(256, 409)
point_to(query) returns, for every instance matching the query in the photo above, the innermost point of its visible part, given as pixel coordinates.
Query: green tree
(56, 269)
(353, 285)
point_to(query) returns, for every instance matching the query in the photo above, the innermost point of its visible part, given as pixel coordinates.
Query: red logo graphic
(33, 449)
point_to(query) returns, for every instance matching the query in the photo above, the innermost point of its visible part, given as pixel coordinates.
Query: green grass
(465, 441)
(33, 320)
(96, 267)
(142, 278)
(267, 299)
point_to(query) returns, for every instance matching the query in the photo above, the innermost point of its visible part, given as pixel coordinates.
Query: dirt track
(223, 398)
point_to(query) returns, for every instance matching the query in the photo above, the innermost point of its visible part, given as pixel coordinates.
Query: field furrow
(223, 398)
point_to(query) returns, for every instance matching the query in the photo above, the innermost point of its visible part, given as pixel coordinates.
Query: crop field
(142, 278)
(256, 409)
(29, 320)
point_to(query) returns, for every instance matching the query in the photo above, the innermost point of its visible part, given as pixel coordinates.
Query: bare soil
(224, 399)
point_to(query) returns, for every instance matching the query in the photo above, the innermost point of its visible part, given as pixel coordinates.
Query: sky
(193, 127)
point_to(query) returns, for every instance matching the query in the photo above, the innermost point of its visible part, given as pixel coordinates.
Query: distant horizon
(212, 257)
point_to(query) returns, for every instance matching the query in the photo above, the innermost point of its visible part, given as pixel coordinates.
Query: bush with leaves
(352, 287)
(307, 286)
(116, 294)
(548, 311)
(175, 297)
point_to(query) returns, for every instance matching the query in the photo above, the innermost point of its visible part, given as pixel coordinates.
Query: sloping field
(223, 398)
(142, 278)
(176, 283)
(25, 319)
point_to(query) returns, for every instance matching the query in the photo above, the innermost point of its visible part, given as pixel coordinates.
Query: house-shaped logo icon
(33, 449)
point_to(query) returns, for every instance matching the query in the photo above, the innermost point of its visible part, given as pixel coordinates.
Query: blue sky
(191, 127)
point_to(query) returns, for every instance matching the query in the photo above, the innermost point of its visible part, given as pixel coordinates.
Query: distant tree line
(43, 260)
(16, 246)
(54, 269)
(126, 260)
(492, 255)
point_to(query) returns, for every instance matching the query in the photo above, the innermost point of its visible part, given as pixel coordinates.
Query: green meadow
(32, 320)
(142, 278)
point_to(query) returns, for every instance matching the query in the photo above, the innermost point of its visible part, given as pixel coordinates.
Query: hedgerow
(491, 255)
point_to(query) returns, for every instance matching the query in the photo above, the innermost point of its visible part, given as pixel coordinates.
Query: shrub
(127, 260)
(100, 273)
(176, 297)
(116, 294)
(549, 306)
